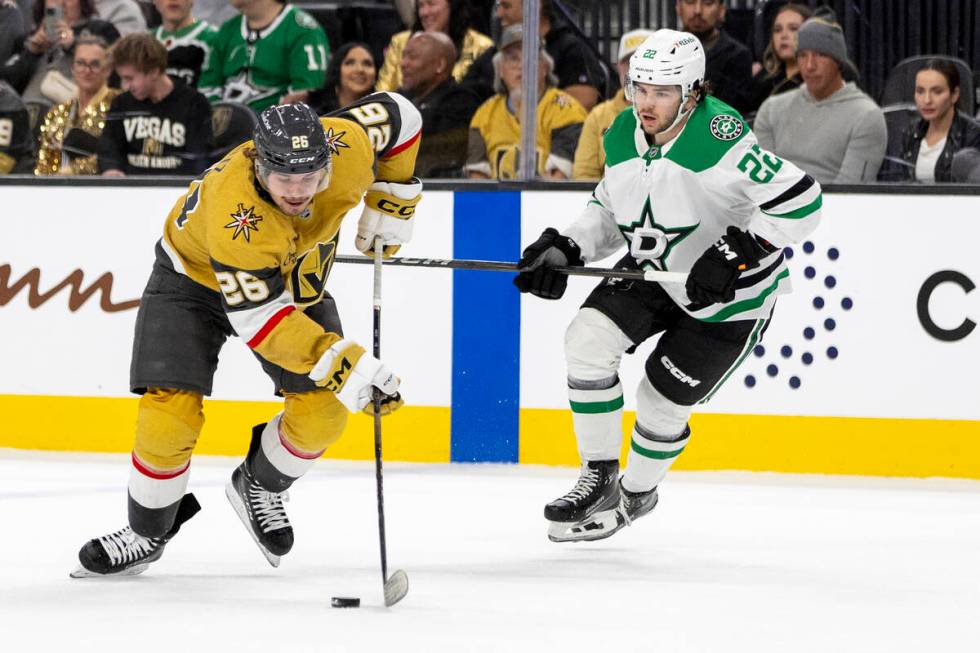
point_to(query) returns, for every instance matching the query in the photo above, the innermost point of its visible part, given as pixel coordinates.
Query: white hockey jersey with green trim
(669, 203)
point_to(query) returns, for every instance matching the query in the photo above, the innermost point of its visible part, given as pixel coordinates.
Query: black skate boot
(595, 491)
(633, 505)
(125, 552)
(262, 513)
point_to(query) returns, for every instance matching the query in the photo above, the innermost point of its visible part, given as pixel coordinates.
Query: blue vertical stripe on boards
(486, 329)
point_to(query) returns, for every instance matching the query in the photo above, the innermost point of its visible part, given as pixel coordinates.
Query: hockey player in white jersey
(686, 187)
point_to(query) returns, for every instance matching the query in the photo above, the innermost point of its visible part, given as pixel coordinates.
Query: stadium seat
(35, 114)
(233, 124)
(897, 118)
(900, 82)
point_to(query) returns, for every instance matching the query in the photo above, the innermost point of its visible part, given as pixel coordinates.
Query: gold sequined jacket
(61, 119)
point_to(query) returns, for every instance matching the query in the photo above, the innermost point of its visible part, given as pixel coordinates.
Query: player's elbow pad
(388, 211)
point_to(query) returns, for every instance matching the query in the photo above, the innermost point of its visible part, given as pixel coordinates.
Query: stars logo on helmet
(244, 221)
(334, 142)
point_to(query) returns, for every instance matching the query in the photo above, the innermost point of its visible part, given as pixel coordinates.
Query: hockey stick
(395, 587)
(500, 266)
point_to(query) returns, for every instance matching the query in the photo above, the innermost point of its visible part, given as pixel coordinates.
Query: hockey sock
(154, 497)
(650, 456)
(274, 461)
(597, 413)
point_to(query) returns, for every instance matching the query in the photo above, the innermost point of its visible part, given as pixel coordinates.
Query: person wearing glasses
(70, 131)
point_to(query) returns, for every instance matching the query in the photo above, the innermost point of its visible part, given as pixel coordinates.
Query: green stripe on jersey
(801, 212)
(698, 148)
(746, 304)
(595, 407)
(619, 141)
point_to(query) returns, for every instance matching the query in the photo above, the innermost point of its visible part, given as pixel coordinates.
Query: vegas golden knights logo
(310, 273)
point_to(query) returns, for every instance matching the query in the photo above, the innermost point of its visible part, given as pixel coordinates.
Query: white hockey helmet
(668, 58)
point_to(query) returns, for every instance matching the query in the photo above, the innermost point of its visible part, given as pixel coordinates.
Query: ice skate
(596, 491)
(262, 513)
(125, 552)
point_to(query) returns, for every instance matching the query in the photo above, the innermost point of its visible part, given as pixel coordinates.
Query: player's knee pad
(594, 346)
(167, 426)
(658, 414)
(312, 421)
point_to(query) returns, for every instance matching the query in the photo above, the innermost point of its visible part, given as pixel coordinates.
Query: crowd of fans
(86, 87)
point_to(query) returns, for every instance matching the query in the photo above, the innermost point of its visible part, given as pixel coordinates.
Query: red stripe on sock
(296, 452)
(270, 325)
(146, 471)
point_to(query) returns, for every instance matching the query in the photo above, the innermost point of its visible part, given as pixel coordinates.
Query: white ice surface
(727, 562)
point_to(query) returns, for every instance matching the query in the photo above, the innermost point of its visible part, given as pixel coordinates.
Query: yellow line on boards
(104, 424)
(796, 444)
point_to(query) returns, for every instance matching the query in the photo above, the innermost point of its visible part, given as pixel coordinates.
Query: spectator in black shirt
(446, 108)
(159, 126)
(729, 63)
(351, 74)
(577, 68)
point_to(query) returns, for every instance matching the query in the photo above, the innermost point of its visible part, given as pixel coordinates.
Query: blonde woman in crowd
(71, 130)
(778, 71)
(450, 17)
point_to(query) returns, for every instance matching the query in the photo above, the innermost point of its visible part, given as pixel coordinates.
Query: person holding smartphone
(41, 71)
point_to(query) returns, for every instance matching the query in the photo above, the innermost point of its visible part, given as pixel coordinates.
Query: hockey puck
(344, 602)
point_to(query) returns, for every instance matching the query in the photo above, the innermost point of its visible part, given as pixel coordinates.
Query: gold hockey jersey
(226, 233)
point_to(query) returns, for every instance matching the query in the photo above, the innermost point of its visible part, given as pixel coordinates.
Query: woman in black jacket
(939, 132)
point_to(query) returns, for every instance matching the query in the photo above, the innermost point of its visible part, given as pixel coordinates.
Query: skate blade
(242, 512)
(597, 527)
(396, 587)
(82, 572)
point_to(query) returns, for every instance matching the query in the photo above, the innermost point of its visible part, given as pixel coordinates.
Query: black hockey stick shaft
(378, 472)
(501, 266)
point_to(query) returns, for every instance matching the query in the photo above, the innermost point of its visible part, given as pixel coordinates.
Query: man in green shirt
(188, 40)
(270, 54)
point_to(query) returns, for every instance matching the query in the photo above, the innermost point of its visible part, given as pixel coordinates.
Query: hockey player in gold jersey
(247, 251)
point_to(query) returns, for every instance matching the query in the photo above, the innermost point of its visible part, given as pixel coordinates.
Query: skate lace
(624, 508)
(125, 546)
(585, 485)
(267, 507)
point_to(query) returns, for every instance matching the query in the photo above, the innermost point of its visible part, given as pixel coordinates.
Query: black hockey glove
(713, 276)
(538, 261)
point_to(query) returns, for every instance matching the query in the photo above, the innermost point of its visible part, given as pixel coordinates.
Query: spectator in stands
(931, 141)
(446, 108)
(351, 74)
(41, 70)
(577, 68)
(729, 63)
(16, 142)
(778, 71)
(495, 133)
(187, 39)
(828, 126)
(590, 155)
(69, 135)
(273, 53)
(451, 17)
(216, 12)
(125, 15)
(12, 29)
(158, 126)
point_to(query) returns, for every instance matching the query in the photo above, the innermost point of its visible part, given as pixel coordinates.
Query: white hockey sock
(650, 457)
(598, 419)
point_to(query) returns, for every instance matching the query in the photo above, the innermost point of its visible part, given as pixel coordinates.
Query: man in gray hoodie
(828, 127)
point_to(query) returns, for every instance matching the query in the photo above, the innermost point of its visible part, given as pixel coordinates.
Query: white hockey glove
(388, 212)
(352, 373)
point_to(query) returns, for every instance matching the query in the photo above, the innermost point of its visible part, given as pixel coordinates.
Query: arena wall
(869, 367)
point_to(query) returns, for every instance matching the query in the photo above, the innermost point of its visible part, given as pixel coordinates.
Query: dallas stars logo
(651, 243)
(243, 222)
(334, 142)
(725, 127)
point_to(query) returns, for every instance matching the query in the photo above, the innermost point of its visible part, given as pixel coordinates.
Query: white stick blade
(396, 587)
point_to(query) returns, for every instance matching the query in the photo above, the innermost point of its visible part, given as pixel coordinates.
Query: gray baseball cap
(826, 38)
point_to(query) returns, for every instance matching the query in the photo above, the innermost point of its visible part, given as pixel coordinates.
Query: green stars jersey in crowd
(188, 49)
(257, 68)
